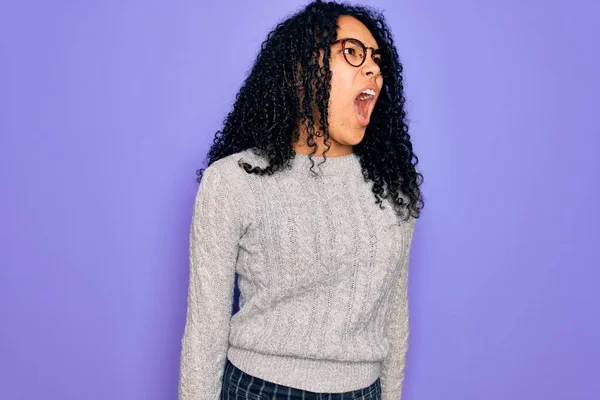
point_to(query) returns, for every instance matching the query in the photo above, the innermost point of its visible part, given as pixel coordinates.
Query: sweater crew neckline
(331, 167)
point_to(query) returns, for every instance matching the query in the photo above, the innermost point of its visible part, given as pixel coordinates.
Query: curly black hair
(268, 108)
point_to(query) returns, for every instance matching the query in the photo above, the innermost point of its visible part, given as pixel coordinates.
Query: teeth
(369, 91)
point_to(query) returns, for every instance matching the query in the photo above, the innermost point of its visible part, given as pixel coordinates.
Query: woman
(321, 248)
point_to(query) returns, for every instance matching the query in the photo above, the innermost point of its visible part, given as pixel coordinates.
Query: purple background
(107, 109)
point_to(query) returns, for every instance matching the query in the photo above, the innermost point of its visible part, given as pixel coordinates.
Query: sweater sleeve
(392, 376)
(215, 230)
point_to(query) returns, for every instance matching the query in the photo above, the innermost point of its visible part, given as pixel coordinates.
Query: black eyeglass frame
(365, 49)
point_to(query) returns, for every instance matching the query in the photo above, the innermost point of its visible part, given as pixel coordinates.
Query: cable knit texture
(323, 275)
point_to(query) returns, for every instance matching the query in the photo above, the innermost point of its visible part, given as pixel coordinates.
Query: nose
(370, 67)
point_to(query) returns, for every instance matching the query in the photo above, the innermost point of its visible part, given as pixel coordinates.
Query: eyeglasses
(355, 53)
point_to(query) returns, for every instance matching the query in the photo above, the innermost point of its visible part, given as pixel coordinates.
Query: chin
(356, 138)
(351, 135)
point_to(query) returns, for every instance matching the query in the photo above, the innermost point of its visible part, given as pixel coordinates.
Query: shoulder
(229, 183)
(229, 168)
(410, 228)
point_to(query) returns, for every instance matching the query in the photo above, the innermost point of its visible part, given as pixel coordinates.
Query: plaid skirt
(238, 385)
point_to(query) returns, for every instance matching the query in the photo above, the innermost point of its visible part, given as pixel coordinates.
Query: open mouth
(362, 106)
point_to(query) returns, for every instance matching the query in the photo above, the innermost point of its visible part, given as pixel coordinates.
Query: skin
(345, 131)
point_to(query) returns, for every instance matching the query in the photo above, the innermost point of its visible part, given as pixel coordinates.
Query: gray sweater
(322, 275)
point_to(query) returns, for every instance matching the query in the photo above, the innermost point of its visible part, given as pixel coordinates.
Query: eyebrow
(355, 38)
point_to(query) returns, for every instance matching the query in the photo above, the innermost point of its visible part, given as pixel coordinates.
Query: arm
(215, 230)
(392, 376)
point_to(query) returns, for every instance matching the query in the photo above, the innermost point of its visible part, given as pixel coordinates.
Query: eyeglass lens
(355, 52)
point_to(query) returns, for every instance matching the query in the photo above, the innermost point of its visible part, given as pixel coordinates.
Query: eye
(380, 60)
(353, 51)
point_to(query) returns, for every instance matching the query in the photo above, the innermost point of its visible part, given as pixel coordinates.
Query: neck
(336, 150)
